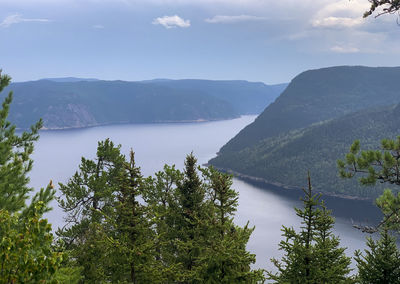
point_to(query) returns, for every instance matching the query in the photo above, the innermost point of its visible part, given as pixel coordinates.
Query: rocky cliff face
(69, 116)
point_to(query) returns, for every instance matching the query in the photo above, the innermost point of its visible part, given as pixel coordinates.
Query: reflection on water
(58, 153)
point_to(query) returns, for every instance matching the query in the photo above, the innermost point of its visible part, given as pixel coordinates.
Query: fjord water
(58, 153)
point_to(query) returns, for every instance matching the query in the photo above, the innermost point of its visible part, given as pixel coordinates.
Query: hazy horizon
(253, 40)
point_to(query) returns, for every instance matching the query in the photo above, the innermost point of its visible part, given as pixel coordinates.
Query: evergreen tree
(381, 165)
(88, 198)
(110, 233)
(16, 162)
(191, 229)
(381, 263)
(193, 219)
(333, 265)
(133, 242)
(305, 251)
(161, 195)
(226, 258)
(26, 251)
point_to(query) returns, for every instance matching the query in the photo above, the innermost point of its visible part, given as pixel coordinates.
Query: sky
(270, 41)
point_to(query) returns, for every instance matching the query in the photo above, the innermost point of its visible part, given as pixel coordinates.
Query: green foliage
(381, 165)
(380, 263)
(389, 203)
(26, 253)
(15, 161)
(131, 242)
(68, 274)
(377, 165)
(311, 255)
(108, 234)
(192, 212)
(161, 196)
(226, 259)
(388, 7)
(88, 199)
(174, 227)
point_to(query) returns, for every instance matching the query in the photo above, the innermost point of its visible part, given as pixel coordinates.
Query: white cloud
(223, 19)
(341, 14)
(337, 22)
(171, 22)
(98, 27)
(342, 49)
(17, 18)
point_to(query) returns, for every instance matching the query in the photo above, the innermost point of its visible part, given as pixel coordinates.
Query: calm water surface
(58, 153)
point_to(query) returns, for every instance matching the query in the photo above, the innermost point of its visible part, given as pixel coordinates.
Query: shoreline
(263, 183)
(200, 120)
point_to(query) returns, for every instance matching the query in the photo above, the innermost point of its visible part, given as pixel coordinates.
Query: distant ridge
(69, 79)
(78, 102)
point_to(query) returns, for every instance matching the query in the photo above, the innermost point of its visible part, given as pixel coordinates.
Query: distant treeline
(74, 103)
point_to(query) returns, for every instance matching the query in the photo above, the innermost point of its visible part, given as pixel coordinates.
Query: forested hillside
(313, 123)
(69, 102)
(318, 95)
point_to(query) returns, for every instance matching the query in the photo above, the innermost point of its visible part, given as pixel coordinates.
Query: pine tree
(88, 199)
(377, 165)
(381, 263)
(306, 250)
(110, 231)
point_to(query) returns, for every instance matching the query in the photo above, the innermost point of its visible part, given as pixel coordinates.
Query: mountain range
(78, 102)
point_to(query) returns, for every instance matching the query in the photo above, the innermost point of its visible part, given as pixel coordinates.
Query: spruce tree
(226, 259)
(333, 265)
(161, 195)
(133, 240)
(381, 262)
(305, 251)
(191, 229)
(193, 218)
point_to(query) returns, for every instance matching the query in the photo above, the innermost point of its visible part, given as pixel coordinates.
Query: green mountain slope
(318, 95)
(285, 159)
(65, 103)
(312, 133)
